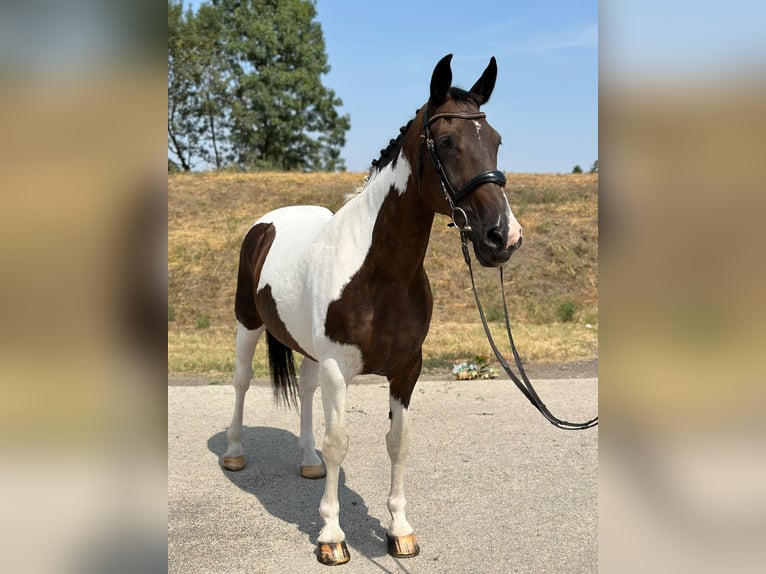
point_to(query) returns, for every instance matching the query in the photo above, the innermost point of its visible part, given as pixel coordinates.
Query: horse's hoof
(333, 553)
(402, 546)
(234, 462)
(313, 471)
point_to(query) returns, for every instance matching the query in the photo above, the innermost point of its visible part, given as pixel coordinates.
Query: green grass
(565, 310)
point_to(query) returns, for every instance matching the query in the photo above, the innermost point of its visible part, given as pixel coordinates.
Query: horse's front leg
(400, 535)
(332, 540)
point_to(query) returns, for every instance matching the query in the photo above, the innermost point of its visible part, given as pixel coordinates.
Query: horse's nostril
(495, 238)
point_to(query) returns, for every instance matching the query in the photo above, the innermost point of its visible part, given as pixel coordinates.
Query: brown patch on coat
(255, 248)
(267, 308)
(385, 309)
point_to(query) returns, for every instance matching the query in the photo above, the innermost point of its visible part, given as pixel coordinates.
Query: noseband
(452, 196)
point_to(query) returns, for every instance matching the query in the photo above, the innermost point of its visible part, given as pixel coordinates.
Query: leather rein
(521, 381)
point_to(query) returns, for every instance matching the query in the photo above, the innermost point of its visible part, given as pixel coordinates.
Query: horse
(349, 292)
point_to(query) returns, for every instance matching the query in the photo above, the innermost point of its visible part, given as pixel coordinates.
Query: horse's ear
(441, 80)
(484, 85)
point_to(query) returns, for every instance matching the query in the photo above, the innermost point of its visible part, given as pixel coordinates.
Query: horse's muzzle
(495, 247)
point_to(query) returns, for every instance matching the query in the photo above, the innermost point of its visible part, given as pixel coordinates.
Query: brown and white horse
(349, 292)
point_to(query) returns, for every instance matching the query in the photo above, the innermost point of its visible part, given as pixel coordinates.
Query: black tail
(282, 367)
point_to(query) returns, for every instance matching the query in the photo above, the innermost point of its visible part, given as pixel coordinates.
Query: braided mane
(388, 153)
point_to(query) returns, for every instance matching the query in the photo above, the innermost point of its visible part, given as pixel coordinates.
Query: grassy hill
(551, 282)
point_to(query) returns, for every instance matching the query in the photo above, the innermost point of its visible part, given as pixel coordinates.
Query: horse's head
(458, 158)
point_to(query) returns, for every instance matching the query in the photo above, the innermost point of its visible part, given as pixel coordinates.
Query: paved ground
(491, 486)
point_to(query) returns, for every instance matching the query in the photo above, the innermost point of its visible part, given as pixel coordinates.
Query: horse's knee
(335, 447)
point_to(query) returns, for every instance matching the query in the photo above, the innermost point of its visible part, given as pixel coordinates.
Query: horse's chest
(387, 321)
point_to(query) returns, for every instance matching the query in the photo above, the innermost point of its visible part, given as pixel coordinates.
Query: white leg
(401, 541)
(311, 466)
(234, 458)
(331, 538)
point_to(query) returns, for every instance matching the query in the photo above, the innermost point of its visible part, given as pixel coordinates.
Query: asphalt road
(490, 485)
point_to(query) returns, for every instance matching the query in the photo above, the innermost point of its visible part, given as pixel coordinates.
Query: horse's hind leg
(234, 458)
(311, 466)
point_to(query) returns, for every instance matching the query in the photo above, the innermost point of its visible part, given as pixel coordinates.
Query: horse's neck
(400, 221)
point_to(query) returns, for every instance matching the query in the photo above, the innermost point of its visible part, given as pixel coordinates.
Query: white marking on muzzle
(514, 227)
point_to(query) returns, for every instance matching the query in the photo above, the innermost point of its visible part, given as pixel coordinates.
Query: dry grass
(551, 284)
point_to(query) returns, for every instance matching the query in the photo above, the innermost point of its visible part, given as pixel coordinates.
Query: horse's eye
(445, 142)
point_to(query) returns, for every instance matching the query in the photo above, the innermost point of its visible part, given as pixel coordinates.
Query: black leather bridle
(453, 197)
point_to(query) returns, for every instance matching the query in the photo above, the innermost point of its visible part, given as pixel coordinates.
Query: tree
(281, 116)
(182, 121)
(245, 87)
(577, 169)
(215, 81)
(594, 167)
(197, 87)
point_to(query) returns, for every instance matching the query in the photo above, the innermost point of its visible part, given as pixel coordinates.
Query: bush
(565, 311)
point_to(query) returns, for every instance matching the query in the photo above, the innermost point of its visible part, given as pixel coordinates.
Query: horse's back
(294, 229)
(309, 219)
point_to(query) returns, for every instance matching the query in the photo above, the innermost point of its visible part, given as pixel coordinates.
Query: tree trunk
(176, 147)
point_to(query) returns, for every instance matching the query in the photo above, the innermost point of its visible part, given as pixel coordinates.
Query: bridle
(452, 196)
(522, 382)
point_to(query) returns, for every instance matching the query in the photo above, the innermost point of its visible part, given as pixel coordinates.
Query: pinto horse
(348, 290)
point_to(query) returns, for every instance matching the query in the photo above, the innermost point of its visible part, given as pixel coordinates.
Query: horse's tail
(282, 367)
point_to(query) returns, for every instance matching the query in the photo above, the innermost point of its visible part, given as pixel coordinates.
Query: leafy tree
(183, 130)
(245, 87)
(281, 115)
(197, 87)
(577, 169)
(594, 167)
(215, 81)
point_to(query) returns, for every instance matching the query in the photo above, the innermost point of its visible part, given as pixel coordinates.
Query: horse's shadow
(272, 476)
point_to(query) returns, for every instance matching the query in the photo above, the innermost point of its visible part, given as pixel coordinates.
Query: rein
(522, 382)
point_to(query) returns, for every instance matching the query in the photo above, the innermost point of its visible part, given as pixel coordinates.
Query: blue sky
(545, 103)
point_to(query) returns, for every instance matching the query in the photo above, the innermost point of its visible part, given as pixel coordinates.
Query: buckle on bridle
(454, 223)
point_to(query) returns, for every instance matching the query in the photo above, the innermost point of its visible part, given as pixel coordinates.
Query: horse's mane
(388, 153)
(391, 150)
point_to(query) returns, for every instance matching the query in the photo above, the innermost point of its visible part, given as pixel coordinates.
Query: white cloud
(581, 36)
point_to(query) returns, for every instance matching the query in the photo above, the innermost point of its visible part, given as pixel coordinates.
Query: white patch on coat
(398, 446)
(514, 227)
(314, 256)
(478, 128)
